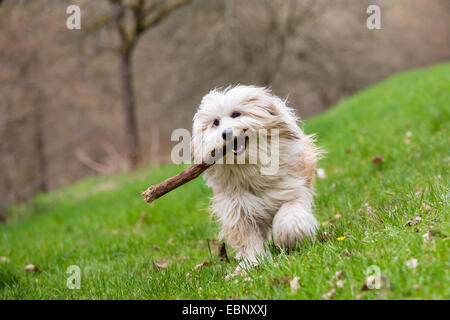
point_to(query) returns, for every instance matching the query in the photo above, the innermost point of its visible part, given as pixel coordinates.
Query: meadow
(383, 204)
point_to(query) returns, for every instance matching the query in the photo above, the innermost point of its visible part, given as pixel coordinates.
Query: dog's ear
(265, 102)
(274, 111)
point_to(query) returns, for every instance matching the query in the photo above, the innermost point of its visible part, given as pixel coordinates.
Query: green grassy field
(127, 249)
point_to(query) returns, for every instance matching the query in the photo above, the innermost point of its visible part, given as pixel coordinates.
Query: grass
(103, 226)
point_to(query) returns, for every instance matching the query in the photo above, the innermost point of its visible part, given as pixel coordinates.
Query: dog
(249, 204)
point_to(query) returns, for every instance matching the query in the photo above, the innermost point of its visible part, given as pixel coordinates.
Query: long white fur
(248, 204)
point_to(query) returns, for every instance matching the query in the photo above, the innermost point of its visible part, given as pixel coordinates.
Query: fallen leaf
(294, 284)
(330, 221)
(414, 221)
(427, 236)
(201, 265)
(338, 274)
(412, 263)
(282, 279)
(371, 283)
(321, 173)
(408, 223)
(348, 252)
(330, 294)
(417, 220)
(348, 151)
(377, 160)
(158, 266)
(369, 209)
(32, 267)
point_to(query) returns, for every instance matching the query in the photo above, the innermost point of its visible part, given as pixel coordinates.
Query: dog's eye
(235, 114)
(216, 122)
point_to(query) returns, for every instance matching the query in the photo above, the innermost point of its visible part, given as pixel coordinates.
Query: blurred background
(106, 98)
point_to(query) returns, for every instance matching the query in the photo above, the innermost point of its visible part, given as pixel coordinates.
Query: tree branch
(168, 9)
(119, 14)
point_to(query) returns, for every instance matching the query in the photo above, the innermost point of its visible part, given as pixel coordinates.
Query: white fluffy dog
(248, 203)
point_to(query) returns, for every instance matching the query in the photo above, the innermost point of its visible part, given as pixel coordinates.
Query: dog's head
(228, 117)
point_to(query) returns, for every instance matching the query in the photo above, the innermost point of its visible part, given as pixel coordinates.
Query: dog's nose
(227, 134)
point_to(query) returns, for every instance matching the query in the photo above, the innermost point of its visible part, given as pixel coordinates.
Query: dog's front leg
(292, 223)
(249, 240)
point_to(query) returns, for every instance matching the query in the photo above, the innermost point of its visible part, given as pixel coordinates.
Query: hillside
(387, 163)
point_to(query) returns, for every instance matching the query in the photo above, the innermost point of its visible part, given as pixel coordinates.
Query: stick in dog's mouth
(154, 192)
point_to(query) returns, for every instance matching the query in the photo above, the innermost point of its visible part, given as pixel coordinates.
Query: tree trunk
(40, 148)
(131, 128)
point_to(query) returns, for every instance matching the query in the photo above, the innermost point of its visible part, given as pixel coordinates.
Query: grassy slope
(103, 226)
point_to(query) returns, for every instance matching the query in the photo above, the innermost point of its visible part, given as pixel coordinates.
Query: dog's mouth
(240, 145)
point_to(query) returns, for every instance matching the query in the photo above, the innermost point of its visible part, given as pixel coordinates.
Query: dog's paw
(245, 264)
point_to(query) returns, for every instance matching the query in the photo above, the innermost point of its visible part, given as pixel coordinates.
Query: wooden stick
(158, 190)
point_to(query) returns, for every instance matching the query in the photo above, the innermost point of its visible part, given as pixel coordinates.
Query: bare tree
(265, 38)
(131, 20)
